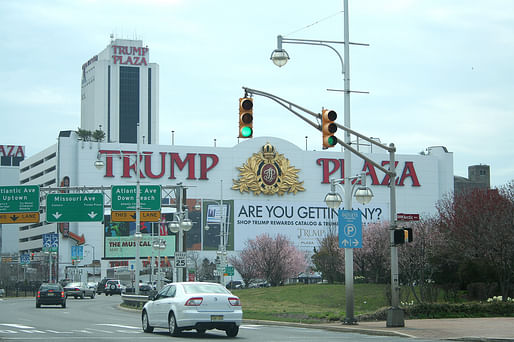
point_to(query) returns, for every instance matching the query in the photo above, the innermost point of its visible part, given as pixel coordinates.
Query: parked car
(100, 288)
(193, 305)
(50, 294)
(114, 287)
(2, 293)
(79, 290)
(92, 285)
(234, 284)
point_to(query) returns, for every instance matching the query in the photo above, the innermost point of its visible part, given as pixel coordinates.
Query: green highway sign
(123, 197)
(75, 207)
(19, 199)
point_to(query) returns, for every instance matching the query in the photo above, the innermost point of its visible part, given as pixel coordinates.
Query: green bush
(495, 309)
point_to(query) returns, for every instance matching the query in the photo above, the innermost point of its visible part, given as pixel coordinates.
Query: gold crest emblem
(269, 173)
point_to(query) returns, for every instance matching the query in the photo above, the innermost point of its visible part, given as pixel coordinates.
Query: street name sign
(407, 217)
(19, 204)
(123, 197)
(350, 229)
(79, 207)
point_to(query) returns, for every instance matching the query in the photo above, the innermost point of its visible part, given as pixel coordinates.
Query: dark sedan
(50, 294)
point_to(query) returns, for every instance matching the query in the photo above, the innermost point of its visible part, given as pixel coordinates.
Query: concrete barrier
(134, 300)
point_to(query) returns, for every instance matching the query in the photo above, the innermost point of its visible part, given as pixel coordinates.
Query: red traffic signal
(245, 117)
(328, 128)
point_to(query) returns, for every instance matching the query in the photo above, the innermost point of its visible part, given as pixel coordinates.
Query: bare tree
(479, 225)
(275, 259)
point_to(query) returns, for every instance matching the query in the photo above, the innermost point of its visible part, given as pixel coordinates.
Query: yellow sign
(130, 216)
(19, 218)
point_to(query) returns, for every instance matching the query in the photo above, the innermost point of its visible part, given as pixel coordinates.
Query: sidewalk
(458, 329)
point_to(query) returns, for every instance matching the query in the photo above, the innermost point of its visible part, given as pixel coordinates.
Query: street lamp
(93, 260)
(280, 58)
(99, 164)
(363, 195)
(159, 244)
(222, 247)
(180, 224)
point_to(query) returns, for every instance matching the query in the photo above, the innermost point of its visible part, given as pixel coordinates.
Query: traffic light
(245, 117)
(402, 235)
(328, 128)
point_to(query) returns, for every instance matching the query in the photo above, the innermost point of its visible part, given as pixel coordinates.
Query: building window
(129, 104)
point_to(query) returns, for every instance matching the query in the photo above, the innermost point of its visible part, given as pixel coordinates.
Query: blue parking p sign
(350, 229)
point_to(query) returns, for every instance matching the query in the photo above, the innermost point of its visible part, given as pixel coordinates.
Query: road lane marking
(119, 326)
(19, 326)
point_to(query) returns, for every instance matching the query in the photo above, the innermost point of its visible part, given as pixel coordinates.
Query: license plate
(50, 294)
(216, 317)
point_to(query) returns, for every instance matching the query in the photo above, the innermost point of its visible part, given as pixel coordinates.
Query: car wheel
(63, 305)
(200, 331)
(82, 295)
(172, 325)
(38, 305)
(146, 325)
(112, 287)
(232, 331)
(75, 297)
(92, 295)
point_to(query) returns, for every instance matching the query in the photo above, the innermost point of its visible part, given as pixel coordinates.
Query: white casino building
(289, 202)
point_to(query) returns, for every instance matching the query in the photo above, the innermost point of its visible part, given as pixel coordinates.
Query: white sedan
(193, 305)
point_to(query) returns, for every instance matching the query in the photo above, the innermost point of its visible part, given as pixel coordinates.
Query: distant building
(10, 158)
(120, 88)
(479, 177)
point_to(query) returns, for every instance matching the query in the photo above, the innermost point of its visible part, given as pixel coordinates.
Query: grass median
(309, 303)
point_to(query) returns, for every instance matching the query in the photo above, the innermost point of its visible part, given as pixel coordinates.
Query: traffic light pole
(395, 315)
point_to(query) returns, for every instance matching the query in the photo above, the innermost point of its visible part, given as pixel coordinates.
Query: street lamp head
(99, 164)
(186, 225)
(363, 195)
(333, 200)
(174, 226)
(279, 57)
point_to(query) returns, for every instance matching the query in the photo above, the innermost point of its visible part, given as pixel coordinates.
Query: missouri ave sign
(75, 207)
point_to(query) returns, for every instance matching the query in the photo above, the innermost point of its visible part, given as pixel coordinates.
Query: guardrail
(134, 300)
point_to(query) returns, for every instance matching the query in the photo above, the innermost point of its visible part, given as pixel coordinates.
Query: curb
(340, 328)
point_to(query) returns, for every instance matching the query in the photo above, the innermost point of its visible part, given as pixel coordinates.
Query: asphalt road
(101, 319)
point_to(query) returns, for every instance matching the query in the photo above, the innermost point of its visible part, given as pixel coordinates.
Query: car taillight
(39, 294)
(196, 301)
(62, 294)
(234, 301)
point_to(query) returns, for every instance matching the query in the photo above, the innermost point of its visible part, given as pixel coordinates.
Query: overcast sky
(439, 72)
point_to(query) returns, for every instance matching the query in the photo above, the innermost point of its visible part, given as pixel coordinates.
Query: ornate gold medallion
(269, 173)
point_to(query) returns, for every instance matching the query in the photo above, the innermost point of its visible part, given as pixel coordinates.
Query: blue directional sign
(77, 252)
(24, 259)
(350, 229)
(50, 242)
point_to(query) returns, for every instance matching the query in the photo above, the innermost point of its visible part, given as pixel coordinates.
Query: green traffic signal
(332, 140)
(246, 132)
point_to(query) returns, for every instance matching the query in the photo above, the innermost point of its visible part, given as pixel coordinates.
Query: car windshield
(73, 285)
(204, 288)
(50, 287)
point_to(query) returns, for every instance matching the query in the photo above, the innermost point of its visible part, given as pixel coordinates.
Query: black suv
(100, 288)
(50, 294)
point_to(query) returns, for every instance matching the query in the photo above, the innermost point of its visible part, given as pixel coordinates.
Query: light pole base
(350, 321)
(395, 318)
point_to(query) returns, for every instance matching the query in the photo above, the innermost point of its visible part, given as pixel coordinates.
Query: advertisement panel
(304, 223)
